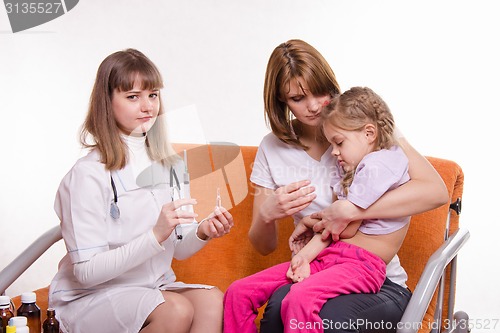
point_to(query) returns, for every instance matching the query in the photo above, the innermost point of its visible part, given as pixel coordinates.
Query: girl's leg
(174, 315)
(245, 296)
(207, 305)
(338, 270)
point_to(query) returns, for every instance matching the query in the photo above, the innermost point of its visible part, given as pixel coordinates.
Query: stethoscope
(114, 210)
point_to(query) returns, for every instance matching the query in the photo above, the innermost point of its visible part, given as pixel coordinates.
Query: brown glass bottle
(30, 310)
(5, 313)
(51, 325)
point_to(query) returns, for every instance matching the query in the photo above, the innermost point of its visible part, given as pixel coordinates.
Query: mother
(291, 174)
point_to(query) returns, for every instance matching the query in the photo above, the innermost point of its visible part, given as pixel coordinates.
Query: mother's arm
(426, 190)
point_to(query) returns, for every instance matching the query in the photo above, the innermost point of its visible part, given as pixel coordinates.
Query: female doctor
(124, 217)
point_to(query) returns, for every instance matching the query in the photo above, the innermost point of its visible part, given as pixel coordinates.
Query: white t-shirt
(278, 164)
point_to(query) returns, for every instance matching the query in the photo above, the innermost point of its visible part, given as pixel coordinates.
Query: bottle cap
(28, 297)
(4, 302)
(18, 321)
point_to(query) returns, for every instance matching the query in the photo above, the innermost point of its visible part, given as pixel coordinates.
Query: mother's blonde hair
(119, 71)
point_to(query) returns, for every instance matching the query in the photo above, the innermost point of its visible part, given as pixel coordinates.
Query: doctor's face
(135, 111)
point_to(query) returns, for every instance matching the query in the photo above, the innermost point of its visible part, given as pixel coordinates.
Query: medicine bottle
(30, 310)
(19, 322)
(51, 325)
(11, 329)
(5, 313)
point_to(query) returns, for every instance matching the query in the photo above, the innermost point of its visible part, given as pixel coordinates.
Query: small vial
(51, 324)
(218, 201)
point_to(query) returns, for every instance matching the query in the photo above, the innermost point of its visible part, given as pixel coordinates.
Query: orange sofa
(228, 167)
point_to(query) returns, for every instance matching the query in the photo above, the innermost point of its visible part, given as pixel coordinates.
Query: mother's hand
(287, 200)
(335, 218)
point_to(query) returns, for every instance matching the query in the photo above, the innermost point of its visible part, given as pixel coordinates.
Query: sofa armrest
(429, 281)
(13, 270)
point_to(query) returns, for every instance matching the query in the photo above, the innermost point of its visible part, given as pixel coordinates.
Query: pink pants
(339, 269)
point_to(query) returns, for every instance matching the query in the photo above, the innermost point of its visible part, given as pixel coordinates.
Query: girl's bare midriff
(385, 246)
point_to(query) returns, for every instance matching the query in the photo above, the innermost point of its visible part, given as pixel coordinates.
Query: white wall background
(434, 62)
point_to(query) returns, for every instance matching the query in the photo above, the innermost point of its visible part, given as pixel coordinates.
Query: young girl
(360, 128)
(292, 172)
(121, 208)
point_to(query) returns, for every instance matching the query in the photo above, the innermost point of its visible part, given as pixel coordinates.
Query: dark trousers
(360, 313)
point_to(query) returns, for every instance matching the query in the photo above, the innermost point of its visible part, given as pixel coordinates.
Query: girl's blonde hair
(294, 60)
(356, 108)
(119, 71)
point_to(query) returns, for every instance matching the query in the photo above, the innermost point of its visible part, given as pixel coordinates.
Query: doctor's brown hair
(119, 71)
(293, 60)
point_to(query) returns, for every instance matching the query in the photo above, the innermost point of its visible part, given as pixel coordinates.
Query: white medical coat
(83, 207)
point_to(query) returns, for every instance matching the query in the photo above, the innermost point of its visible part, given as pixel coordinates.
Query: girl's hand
(287, 200)
(299, 269)
(301, 235)
(309, 221)
(171, 216)
(216, 224)
(335, 218)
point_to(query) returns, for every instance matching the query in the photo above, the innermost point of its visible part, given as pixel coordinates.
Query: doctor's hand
(171, 216)
(217, 224)
(287, 200)
(335, 218)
